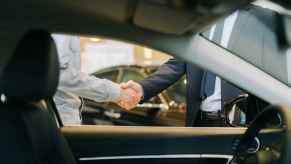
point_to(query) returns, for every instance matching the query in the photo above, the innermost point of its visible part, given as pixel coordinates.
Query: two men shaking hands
(131, 94)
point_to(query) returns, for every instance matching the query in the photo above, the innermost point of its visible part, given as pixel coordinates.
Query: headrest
(33, 71)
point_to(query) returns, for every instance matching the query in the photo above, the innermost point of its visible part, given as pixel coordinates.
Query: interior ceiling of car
(165, 16)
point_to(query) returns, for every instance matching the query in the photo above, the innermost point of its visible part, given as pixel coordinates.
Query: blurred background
(97, 54)
(121, 62)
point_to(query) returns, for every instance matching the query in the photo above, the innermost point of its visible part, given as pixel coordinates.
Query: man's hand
(130, 96)
(134, 86)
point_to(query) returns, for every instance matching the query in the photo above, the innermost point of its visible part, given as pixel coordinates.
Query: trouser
(210, 119)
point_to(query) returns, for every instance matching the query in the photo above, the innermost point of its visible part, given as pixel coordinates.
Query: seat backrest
(29, 131)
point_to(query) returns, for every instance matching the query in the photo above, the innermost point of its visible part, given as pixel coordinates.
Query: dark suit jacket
(247, 38)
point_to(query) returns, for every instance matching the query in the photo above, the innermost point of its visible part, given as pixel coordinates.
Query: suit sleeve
(165, 76)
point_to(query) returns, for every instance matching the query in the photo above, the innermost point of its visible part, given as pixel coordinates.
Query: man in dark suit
(242, 33)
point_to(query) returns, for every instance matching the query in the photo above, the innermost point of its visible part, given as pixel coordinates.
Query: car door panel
(92, 144)
(106, 144)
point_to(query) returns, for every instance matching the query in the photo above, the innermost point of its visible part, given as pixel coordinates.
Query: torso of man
(74, 83)
(68, 104)
(213, 102)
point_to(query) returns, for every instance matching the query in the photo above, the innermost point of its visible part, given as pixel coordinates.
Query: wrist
(142, 92)
(114, 92)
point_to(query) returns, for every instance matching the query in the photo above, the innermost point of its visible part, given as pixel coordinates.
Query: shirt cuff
(113, 90)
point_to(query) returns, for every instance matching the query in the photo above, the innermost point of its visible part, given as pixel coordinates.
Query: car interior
(29, 71)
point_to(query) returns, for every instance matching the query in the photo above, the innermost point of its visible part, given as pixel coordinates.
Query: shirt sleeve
(73, 81)
(84, 85)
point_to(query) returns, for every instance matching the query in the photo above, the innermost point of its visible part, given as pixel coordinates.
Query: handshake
(130, 95)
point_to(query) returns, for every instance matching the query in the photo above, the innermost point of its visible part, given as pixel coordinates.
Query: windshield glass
(254, 37)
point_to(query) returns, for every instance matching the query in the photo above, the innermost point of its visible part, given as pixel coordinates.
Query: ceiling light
(148, 54)
(95, 39)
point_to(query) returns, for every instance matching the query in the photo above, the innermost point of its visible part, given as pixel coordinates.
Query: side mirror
(235, 112)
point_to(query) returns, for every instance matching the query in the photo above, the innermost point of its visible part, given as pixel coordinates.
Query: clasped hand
(130, 94)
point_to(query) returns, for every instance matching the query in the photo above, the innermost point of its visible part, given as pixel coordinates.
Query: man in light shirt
(74, 83)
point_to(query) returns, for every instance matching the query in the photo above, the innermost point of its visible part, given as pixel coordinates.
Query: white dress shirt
(213, 102)
(74, 83)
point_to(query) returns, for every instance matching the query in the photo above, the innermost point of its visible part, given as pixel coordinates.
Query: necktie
(208, 83)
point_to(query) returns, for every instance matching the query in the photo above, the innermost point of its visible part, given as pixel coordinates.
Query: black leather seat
(29, 131)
